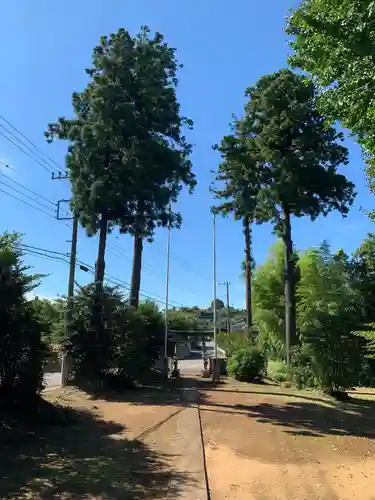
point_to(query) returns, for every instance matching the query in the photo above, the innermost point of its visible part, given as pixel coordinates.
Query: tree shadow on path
(306, 418)
(85, 458)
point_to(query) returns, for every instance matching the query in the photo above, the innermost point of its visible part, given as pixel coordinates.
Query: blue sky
(224, 48)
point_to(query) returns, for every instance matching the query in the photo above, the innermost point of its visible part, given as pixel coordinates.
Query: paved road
(52, 380)
(192, 365)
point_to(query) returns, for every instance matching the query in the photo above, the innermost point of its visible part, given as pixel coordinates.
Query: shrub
(137, 341)
(91, 340)
(302, 371)
(230, 341)
(278, 371)
(22, 351)
(117, 347)
(329, 308)
(246, 363)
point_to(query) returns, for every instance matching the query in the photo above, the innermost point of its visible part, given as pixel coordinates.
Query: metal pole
(216, 367)
(69, 310)
(214, 283)
(228, 309)
(167, 298)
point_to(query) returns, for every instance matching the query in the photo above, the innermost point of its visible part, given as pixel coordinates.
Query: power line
(123, 284)
(23, 144)
(23, 194)
(30, 247)
(47, 166)
(147, 269)
(26, 203)
(180, 261)
(50, 215)
(55, 258)
(24, 152)
(59, 257)
(30, 142)
(32, 199)
(184, 263)
(8, 166)
(26, 188)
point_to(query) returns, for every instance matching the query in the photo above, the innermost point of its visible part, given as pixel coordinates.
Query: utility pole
(72, 267)
(248, 271)
(227, 284)
(70, 302)
(167, 298)
(216, 367)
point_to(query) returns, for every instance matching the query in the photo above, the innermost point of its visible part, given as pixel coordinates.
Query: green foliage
(366, 373)
(94, 321)
(127, 157)
(219, 305)
(302, 371)
(52, 313)
(269, 301)
(327, 316)
(230, 342)
(296, 168)
(182, 321)
(334, 42)
(237, 182)
(333, 300)
(128, 343)
(246, 363)
(151, 334)
(277, 371)
(362, 274)
(237, 187)
(22, 351)
(299, 154)
(367, 332)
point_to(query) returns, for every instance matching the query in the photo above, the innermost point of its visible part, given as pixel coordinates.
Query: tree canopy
(299, 153)
(127, 156)
(298, 156)
(334, 42)
(236, 184)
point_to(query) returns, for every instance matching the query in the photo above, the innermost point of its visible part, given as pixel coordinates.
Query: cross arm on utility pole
(58, 216)
(59, 176)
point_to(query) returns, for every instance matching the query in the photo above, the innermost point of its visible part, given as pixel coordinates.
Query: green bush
(278, 371)
(22, 351)
(302, 370)
(246, 363)
(137, 341)
(91, 339)
(328, 311)
(366, 373)
(230, 342)
(119, 343)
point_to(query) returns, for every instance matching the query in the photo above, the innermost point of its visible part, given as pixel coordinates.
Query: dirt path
(144, 446)
(260, 443)
(263, 446)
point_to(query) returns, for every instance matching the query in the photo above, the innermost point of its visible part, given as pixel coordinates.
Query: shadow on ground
(83, 458)
(154, 392)
(305, 418)
(293, 394)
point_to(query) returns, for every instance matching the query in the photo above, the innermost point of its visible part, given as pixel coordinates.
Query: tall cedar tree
(128, 158)
(238, 189)
(299, 159)
(334, 40)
